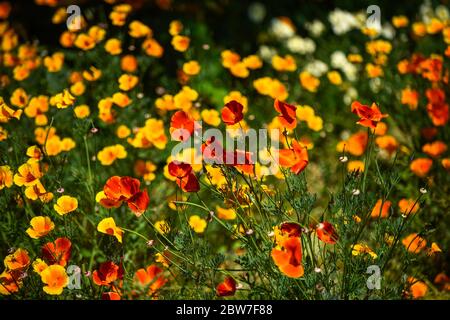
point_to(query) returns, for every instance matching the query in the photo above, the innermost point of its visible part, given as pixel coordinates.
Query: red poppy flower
(288, 116)
(213, 151)
(109, 203)
(107, 273)
(437, 107)
(139, 203)
(110, 296)
(289, 258)
(296, 158)
(369, 116)
(181, 126)
(189, 183)
(57, 252)
(291, 229)
(326, 232)
(232, 112)
(186, 179)
(121, 188)
(179, 169)
(226, 288)
(118, 189)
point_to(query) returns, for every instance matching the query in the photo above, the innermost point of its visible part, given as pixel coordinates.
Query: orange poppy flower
(10, 282)
(108, 226)
(232, 112)
(326, 232)
(226, 288)
(355, 145)
(18, 260)
(296, 158)
(381, 212)
(388, 143)
(6, 177)
(437, 107)
(28, 174)
(138, 203)
(129, 63)
(189, 183)
(434, 149)
(408, 206)
(118, 189)
(417, 288)
(410, 98)
(40, 226)
(55, 278)
(57, 252)
(121, 188)
(181, 126)
(290, 229)
(107, 273)
(179, 169)
(180, 43)
(369, 116)
(414, 243)
(289, 257)
(151, 277)
(421, 166)
(110, 296)
(186, 179)
(288, 116)
(65, 204)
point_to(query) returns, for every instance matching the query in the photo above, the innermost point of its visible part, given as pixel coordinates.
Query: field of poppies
(173, 149)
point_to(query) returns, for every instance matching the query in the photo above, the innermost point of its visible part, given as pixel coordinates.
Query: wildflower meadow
(224, 150)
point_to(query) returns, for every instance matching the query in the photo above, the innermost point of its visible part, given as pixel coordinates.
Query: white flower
(339, 61)
(350, 95)
(317, 68)
(281, 29)
(442, 12)
(301, 45)
(267, 53)
(375, 85)
(316, 28)
(388, 31)
(256, 12)
(426, 12)
(342, 21)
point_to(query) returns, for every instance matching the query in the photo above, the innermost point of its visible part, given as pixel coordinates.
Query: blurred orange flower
(381, 212)
(421, 166)
(414, 243)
